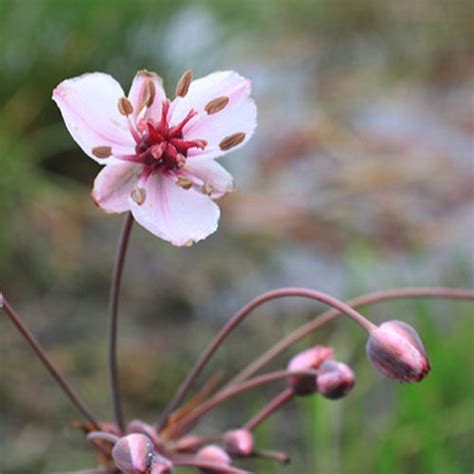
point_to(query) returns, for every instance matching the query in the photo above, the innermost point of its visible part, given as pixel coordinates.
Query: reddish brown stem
(189, 420)
(239, 317)
(269, 409)
(327, 316)
(282, 458)
(113, 321)
(42, 355)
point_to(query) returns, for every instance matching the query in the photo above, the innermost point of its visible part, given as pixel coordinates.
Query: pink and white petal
(209, 171)
(137, 93)
(174, 214)
(203, 90)
(238, 115)
(88, 104)
(113, 185)
(241, 118)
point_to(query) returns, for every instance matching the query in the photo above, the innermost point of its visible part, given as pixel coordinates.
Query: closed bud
(135, 454)
(309, 359)
(395, 349)
(335, 379)
(213, 454)
(239, 442)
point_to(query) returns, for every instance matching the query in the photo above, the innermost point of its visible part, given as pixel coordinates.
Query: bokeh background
(359, 178)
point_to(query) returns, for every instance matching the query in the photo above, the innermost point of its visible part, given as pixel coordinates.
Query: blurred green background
(359, 178)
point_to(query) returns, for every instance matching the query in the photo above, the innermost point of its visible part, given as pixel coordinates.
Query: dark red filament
(162, 146)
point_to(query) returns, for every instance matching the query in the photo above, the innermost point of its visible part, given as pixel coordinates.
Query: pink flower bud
(335, 379)
(309, 359)
(239, 442)
(135, 454)
(395, 349)
(213, 454)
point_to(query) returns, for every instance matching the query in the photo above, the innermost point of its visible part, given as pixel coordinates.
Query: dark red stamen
(163, 147)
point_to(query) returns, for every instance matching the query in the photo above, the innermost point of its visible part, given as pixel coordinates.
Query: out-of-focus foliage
(359, 178)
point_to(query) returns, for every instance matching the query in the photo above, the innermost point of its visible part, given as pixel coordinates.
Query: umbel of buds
(335, 379)
(395, 349)
(135, 454)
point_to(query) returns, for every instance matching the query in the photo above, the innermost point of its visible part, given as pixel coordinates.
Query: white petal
(88, 104)
(239, 115)
(136, 94)
(209, 171)
(174, 214)
(113, 185)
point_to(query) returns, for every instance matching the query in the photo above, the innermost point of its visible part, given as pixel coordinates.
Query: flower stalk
(188, 421)
(113, 319)
(284, 397)
(364, 300)
(42, 355)
(342, 308)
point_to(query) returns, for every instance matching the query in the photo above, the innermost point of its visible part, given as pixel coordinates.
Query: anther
(149, 93)
(189, 243)
(207, 189)
(125, 106)
(102, 151)
(183, 84)
(184, 182)
(216, 105)
(231, 141)
(138, 195)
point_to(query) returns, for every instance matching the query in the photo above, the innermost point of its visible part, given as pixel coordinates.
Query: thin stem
(327, 316)
(113, 321)
(189, 420)
(41, 353)
(239, 317)
(280, 400)
(93, 435)
(282, 458)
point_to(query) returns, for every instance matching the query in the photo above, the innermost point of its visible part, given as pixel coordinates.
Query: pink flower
(159, 155)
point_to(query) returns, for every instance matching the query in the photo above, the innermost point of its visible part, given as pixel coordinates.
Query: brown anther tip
(184, 182)
(125, 106)
(149, 93)
(207, 189)
(231, 141)
(102, 151)
(138, 195)
(183, 84)
(216, 105)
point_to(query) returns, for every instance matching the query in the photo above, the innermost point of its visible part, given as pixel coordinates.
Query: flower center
(163, 147)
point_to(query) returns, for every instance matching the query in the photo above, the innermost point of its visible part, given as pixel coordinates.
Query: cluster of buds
(394, 348)
(333, 379)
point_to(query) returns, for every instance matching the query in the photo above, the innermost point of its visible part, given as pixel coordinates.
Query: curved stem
(41, 353)
(113, 321)
(327, 316)
(239, 317)
(280, 400)
(189, 420)
(93, 435)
